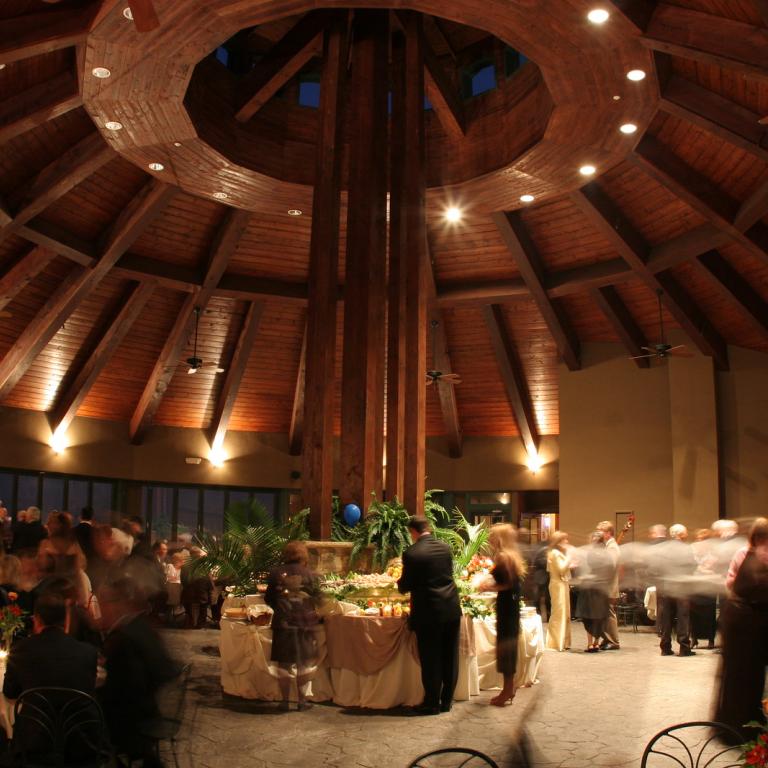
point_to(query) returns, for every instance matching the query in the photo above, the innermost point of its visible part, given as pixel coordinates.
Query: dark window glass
(213, 511)
(77, 496)
(145, 502)
(309, 93)
(268, 500)
(427, 102)
(27, 491)
(512, 60)
(484, 79)
(162, 511)
(103, 502)
(6, 490)
(53, 494)
(239, 497)
(187, 511)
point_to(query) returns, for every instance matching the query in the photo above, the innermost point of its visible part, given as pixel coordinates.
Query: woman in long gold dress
(559, 568)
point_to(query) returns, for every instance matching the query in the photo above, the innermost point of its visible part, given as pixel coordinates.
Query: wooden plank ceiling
(685, 210)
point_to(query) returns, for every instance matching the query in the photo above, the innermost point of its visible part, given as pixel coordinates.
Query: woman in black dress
(508, 573)
(744, 627)
(292, 593)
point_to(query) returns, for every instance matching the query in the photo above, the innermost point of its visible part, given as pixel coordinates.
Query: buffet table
(367, 661)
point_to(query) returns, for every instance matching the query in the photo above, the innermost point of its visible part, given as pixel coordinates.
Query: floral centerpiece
(755, 752)
(11, 621)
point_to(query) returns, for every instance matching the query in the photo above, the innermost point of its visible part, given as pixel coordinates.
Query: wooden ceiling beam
(738, 290)
(38, 33)
(697, 191)
(38, 104)
(611, 223)
(53, 237)
(524, 252)
(754, 208)
(623, 323)
(636, 12)
(443, 95)
(284, 60)
(225, 403)
(296, 430)
(710, 39)
(724, 118)
(58, 178)
(762, 9)
(68, 403)
(19, 275)
(442, 35)
(512, 376)
(224, 244)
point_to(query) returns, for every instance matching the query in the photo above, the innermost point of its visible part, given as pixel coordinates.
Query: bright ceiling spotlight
(220, 195)
(58, 442)
(587, 170)
(598, 15)
(2, 66)
(636, 75)
(128, 13)
(527, 198)
(217, 457)
(101, 72)
(453, 214)
(628, 128)
(534, 462)
(176, 143)
(156, 167)
(294, 212)
(113, 125)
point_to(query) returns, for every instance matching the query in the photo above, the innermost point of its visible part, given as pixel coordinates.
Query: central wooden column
(323, 276)
(362, 410)
(414, 262)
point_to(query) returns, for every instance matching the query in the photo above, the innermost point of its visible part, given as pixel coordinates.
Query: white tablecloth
(649, 602)
(247, 672)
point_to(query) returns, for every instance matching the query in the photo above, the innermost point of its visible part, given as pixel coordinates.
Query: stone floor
(588, 710)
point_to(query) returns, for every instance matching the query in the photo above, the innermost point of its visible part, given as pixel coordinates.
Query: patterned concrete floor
(589, 710)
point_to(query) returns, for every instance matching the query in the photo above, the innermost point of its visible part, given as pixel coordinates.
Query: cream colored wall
(743, 397)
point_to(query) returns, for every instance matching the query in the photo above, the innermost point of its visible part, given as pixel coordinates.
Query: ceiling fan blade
(191, 370)
(144, 15)
(430, 380)
(649, 349)
(677, 352)
(450, 378)
(677, 346)
(640, 357)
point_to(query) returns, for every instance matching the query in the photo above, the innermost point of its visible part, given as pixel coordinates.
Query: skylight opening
(309, 93)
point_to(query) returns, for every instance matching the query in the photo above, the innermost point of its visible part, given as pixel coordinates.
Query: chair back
(699, 744)
(453, 757)
(59, 727)
(172, 696)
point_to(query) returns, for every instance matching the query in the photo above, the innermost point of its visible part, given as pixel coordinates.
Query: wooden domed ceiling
(103, 259)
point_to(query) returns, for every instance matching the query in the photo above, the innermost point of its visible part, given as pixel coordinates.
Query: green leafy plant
(386, 528)
(340, 531)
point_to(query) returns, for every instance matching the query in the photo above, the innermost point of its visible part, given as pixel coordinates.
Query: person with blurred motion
(595, 577)
(506, 580)
(435, 614)
(84, 532)
(6, 528)
(704, 591)
(540, 579)
(744, 626)
(610, 641)
(559, 569)
(28, 531)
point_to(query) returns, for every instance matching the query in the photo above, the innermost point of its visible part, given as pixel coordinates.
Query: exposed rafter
(38, 104)
(622, 322)
(698, 192)
(711, 39)
(284, 60)
(720, 116)
(20, 274)
(227, 237)
(524, 252)
(512, 375)
(38, 33)
(754, 208)
(443, 95)
(617, 230)
(234, 375)
(68, 404)
(58, 178)
(296, 430)
(637, 12)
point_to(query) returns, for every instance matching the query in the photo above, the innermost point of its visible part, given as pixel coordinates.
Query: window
(222, 54)
(6, 490)
(27, 492)
(268, 501)
(103, 502)
(53, 494)
(77, 496)
(187, 511)
(161, 506)
(309, 91)
(479, 78)
(213, 511)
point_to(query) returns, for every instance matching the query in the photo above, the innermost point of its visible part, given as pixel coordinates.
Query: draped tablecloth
(649, 602)
(393, 676)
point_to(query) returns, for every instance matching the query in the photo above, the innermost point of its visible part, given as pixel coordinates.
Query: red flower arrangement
(756, 751)
(11, 620)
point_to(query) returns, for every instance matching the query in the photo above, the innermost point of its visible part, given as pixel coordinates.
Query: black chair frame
(695, 761)
(471, 754)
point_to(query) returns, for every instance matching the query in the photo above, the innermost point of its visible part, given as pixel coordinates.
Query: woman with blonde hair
(506, 580)
(559, 569)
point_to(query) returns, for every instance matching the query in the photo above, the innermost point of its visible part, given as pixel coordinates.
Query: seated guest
(111, 548)
(137, 665)
(29, 531)
(195, 592)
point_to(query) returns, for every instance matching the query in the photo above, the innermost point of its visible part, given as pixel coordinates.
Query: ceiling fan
(195, 363)
(662, 349)
(434, 376)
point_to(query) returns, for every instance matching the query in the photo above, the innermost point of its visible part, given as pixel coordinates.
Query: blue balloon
(351, 514)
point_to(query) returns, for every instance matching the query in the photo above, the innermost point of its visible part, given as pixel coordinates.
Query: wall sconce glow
(217, 457)
(58, 442)
(598, 15)
(587, 170)
(636, 75)
(534, 462)
(452, 214)
(504, 498)
(3, 654)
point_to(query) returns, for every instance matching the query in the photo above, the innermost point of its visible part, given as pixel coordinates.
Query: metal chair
(626, 614)
(453, 757)
(166, 726)
(59, 727)
(699, 744)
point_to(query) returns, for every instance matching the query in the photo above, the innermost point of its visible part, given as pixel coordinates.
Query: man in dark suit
(84, 532)
(435, 614)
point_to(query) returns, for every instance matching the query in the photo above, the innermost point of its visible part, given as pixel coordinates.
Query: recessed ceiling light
(2, 66)
(100, 72)
(636, 74)
(617, 98)
(294, 212)
(176, 143)
(220, 195)
(452, 214)
(628, 128)
(587, 170)
(598, 15)
(156, 167)
(526, 198)
(128, 13)
(113, 125)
